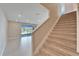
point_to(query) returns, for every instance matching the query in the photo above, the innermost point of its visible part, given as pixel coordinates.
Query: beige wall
(13, 30)
(40, 33)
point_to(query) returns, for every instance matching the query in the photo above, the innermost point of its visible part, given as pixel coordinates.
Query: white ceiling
(25, 12)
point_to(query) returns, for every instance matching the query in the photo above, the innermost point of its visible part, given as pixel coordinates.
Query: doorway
(26, 39)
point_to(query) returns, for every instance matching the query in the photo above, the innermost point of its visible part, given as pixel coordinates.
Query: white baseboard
(43, 41)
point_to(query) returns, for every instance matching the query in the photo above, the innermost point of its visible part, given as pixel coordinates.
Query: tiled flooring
(19, 47)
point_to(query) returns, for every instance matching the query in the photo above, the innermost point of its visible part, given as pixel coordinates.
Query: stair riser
(62, 39)
(59, 49)
(64, 43)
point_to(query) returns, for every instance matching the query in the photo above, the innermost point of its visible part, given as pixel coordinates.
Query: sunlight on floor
(26, 45)
(19, 47)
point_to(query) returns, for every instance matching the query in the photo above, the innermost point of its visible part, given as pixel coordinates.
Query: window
(26, 29)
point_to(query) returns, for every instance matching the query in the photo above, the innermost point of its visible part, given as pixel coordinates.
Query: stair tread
(62, 39)
(65, 36)
(52, 52)
(63, 42)
(65, 29)
(66, 26)
(66, 33)
(59, 27)
(56, 31)
(60, 48)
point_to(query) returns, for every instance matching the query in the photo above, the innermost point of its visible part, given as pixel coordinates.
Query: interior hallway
(17, 45)
(62, 40)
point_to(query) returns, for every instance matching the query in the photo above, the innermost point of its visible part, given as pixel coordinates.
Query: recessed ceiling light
(19, 15)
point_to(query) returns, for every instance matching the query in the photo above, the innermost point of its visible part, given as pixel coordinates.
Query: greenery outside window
(26, 29)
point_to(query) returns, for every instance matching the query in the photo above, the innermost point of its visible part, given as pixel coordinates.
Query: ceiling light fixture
(19, 15)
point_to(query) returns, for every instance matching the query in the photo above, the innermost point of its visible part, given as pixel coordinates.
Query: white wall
(67, 8)
(61, 8)
(3, 32)
(70, 7)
